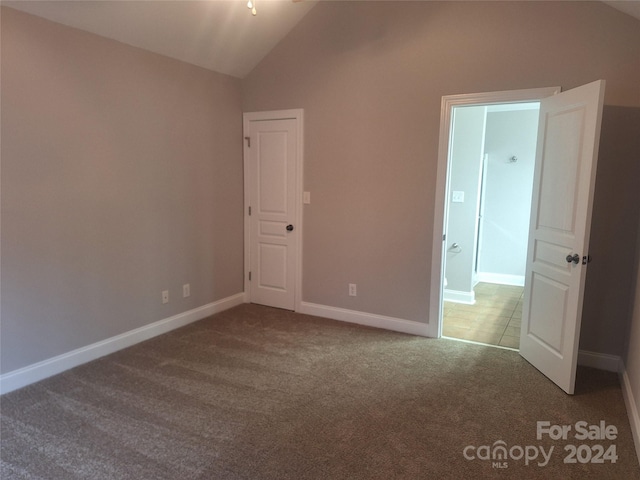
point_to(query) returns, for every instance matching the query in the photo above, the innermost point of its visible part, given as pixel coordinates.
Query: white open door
(566, 157)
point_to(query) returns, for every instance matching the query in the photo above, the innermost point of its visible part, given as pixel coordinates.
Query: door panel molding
(566, 162)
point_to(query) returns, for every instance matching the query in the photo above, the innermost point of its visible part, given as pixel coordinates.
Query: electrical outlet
(352, 290)
(165, 296)
(186, 290)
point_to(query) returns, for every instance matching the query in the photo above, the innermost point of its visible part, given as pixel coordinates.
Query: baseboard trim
(368, 319)
(601, 361)
(632, 407)
(501, 278)
(457, 296)
(39, 371)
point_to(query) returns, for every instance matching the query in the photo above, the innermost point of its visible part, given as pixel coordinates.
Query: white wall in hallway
(507, 194)
(467, 145)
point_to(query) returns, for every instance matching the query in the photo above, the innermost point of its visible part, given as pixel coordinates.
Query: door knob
(575, 258)
(289, 228)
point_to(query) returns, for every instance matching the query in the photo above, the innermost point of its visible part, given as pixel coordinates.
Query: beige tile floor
(494, 319)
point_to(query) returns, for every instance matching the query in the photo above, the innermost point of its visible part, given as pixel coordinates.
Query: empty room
(312, 239)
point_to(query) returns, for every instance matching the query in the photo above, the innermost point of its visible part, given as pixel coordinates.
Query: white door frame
(298, 116)
(442, 182)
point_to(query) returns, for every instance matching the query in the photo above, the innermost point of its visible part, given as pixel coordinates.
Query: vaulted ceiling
(220, 35)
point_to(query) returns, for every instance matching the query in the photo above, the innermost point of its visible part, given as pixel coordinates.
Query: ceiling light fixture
(252, 5)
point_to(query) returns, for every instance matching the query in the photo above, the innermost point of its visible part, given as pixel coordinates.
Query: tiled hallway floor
(494, 319)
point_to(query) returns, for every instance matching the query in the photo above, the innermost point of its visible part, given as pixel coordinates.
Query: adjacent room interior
(491, 168)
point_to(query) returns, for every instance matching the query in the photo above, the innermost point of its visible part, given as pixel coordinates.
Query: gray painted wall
(609, 288)
(121, 177)
(632, 358)
(371, 76)
(122, 170)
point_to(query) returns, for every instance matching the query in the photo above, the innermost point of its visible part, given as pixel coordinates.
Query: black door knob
(575, 258)
(289, 228)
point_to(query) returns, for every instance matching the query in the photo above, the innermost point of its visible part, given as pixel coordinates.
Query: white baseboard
(457, 296)
(368, 319)
(632, 407)
(601, 361)
(38, 371)
(500, 278)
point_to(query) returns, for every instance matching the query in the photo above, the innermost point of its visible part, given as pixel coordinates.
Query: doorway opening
(491, 164)
(560, 219)
(474, 112)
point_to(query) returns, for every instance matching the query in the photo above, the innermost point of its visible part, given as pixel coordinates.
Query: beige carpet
(257, 393)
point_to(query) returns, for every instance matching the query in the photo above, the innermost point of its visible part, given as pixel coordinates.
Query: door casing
(298, 116)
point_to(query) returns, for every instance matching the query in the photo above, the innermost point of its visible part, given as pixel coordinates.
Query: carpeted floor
(258, 393)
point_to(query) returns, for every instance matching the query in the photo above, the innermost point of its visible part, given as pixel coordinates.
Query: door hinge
(248, 139)
(249, 276)
(444, 237)
(586, 259)
(249, 211)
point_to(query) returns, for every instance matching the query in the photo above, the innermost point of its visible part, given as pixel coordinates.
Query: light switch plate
(457, 197)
